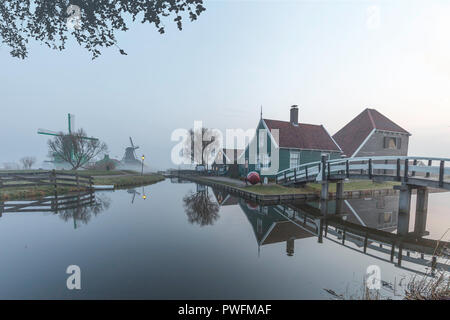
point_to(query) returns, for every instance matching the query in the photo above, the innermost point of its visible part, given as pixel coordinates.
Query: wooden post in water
(365, 243)
(392, 252)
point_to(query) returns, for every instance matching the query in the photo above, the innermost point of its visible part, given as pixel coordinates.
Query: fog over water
(236, 57)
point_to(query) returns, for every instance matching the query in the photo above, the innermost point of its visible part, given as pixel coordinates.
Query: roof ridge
(300, 123)
(371, 119)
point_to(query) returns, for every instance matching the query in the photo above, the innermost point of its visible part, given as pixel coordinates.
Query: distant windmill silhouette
(130, 154)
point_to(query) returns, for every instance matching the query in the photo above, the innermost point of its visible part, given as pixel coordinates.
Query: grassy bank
(128, 180)
(311, 188)
(357, 185)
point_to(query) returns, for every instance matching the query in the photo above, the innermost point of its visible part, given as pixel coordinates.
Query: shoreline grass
(129, 180)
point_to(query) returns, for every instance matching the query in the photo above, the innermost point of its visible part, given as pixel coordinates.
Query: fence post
(347, 169)
(370, 168)
(306, 172)
(324, 164)
(329, 170)
(398, 169)
(295, 174)
(53, 179)
(414, 164)
(406, 169)
(430, 162)
(441, 173)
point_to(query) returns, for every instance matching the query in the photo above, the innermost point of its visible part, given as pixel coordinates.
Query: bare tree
(75, 148)
(200, 208)
(91, 23)
(27, 162)
(200, 144)
(11, 166)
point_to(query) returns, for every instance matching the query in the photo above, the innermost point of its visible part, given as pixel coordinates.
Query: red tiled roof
(303, 136)
(356, 131)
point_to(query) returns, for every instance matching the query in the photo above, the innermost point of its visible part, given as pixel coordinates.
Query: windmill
(130, 154)
(71, 128)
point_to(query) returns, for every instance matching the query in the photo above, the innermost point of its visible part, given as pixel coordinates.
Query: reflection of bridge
(344, 223)
(418, 173)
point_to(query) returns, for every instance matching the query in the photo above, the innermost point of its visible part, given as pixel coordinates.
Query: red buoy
(253, 177)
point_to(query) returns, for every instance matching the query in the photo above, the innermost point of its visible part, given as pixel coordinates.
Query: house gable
(353, 136)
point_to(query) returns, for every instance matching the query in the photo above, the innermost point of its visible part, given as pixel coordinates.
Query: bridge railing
(397, 168)
(305, 171)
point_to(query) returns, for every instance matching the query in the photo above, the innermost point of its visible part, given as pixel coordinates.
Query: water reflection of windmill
(57, 161)
(134, 192)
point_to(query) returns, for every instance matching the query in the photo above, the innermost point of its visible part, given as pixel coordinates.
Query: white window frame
(291, 153)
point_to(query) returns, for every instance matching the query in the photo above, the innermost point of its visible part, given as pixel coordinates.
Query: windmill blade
(71, 122)
(132, 144)
(134, 147)
(49, 132)
(131, 141)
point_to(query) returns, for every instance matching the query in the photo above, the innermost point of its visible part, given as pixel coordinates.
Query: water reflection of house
(271, 225)
(224, 198)
(377, 213)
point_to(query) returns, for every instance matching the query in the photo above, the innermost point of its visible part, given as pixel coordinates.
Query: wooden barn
(372, 134)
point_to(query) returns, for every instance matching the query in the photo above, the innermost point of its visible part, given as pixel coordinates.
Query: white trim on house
(363, 143)
(256, 134)
(270, 133)
(331, 138)
(395, 132)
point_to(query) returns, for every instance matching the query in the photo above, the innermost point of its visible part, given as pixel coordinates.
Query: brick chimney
(294, 115)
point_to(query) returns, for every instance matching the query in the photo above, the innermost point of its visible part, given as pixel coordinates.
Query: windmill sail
(71, 122)
(49, 132)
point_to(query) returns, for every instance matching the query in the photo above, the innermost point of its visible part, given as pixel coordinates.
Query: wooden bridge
(414, 173)
(418, 171)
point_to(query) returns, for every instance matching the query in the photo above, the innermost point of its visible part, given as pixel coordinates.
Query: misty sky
(329, 57)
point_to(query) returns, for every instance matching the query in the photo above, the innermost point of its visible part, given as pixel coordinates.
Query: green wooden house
(297, 143)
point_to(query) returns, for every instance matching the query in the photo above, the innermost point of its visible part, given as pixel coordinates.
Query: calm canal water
(189, 242)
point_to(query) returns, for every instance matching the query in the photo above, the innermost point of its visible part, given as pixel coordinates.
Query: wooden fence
(52, 178)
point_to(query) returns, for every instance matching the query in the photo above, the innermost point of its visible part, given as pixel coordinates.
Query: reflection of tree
(84, 212)
(200, 208)
(47, 21)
